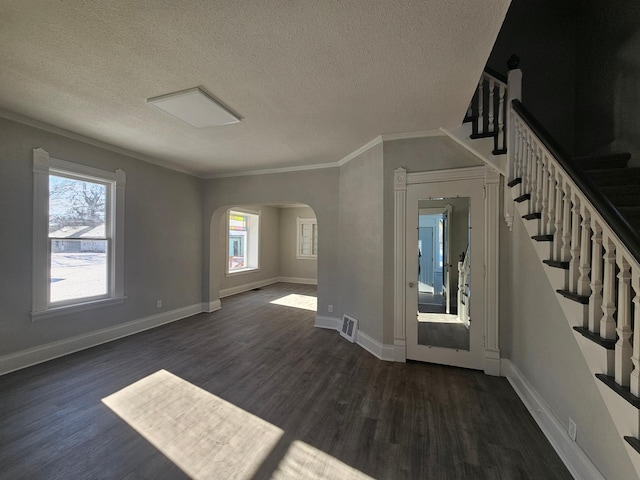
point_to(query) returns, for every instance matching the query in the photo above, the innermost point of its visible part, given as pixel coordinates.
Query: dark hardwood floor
(387, 420)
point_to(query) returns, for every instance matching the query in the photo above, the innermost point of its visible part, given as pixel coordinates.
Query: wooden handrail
(496, 75)
(627, 234)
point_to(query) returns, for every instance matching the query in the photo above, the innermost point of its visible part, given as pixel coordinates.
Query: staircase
(583, 216)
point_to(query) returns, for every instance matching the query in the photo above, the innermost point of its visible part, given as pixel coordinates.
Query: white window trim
(299, 222)
(258, 249)
(43, 165)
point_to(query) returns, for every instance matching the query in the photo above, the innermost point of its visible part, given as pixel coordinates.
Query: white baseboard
(210, 307)
(574, 458)
(374, 347)
(227, 292)
(332, 323)
(32, 356)
(301, 280)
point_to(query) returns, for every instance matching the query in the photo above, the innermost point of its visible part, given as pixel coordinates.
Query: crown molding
(388, 137)
(171, 166)
(47, 127)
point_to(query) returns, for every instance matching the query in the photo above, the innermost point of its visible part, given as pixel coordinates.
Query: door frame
(492, 179)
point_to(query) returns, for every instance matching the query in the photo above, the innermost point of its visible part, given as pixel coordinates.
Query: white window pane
(78, 269)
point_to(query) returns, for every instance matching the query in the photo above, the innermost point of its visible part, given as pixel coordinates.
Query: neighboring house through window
(307, 238)
(243, 234)
(78, 243)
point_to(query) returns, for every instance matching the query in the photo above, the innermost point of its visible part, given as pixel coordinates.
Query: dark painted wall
(543, 34)
(608, 78)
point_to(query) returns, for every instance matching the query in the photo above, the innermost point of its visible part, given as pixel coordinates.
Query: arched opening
(254, 246)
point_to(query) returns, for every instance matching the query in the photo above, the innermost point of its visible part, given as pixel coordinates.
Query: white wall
(163, 239)
(545, 350)
(361, 235)
(290, 265)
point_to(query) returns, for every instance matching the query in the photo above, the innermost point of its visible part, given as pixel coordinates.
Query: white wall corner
(209, 307)
(579, 465)
(42, 353)
(376, 348)
(492, 362)
(332, 323)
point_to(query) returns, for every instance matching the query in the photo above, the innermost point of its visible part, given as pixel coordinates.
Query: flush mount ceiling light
(195, 107)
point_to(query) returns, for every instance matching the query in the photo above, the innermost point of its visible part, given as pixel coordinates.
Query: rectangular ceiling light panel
(195, 107)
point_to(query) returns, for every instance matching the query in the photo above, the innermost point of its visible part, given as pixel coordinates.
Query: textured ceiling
(313, 79)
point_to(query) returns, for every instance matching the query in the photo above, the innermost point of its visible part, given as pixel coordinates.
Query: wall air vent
(349, 328)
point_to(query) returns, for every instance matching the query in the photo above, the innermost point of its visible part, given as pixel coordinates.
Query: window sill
(240, 272)
(307, 257)
(76, 307)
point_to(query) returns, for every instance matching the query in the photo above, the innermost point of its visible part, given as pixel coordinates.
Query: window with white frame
(78, 241)
(307, 238)
(243, 240)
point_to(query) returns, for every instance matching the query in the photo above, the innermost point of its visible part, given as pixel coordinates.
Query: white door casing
(486, 281)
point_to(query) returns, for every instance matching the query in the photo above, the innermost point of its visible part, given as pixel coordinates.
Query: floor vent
(349, 328)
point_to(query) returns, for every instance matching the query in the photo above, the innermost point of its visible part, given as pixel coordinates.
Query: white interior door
(424, 334)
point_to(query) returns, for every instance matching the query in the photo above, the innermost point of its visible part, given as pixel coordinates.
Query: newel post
(514, 92)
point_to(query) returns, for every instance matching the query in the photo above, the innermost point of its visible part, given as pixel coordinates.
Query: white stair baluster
(574, 261)
(492, 86)
(480, 105)
(558, 234)
(595, 300)
(635, 359)
(624, 349)
(539, 183)
(544, 196)
(551, 197)
(565, 251)
(584, 287)
(607, 323)
(501, 137)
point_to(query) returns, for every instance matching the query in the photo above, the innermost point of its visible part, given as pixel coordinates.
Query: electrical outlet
(330, 308)
(159, 304)
(572, 429)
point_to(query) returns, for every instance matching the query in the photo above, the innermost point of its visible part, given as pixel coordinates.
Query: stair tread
(542, 238)
(557, 264)
(606, 161)
(596, 338)
(514, 182)
(634, 442)
(624, 392)
(583, 299)
(475, 136)
(522, 198)
(532, 216)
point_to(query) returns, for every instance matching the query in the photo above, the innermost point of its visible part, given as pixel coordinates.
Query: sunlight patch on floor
(205, 436)
(306, 302)
(304, 461)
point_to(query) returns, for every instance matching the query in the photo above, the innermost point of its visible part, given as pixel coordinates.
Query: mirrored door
(445, 235)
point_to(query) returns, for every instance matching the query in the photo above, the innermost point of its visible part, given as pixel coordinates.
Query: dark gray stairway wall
(542, 33)
(607, 76)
